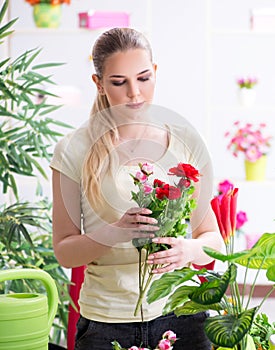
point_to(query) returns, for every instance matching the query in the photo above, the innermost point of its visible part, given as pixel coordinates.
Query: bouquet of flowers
(170, 205)
(166, 343)
(247, 83)
(230, 327)
(241, 216)
(248, 139)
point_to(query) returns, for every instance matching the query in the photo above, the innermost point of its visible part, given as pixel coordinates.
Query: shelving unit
(222, 109)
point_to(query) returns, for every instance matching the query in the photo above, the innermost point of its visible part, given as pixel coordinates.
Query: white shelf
(252, 109)
(54, 31)
(238, 32)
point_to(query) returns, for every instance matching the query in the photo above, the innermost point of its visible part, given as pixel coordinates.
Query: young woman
(94, 219)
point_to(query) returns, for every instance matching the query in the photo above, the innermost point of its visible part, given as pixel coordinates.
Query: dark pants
(93, 335)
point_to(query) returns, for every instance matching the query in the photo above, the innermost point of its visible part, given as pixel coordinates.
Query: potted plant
(26, 134)
(232, 318)
(250, 140)
(246, 92)
(47, 13)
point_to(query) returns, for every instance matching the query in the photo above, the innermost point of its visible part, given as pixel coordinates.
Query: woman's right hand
(134, 223)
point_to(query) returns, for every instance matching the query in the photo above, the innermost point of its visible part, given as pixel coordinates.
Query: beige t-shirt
(110, 289)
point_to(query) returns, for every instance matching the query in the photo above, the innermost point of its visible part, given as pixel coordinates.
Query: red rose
(167, 191)
(185, 170)
(162, 192)
(184, 183)
(173, 193)
(158, 183)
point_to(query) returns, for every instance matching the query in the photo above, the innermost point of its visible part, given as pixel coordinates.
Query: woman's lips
(135, 105)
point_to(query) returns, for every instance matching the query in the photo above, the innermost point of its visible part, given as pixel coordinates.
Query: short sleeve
(69, 154)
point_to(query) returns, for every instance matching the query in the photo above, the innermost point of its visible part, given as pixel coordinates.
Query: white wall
(198, 57)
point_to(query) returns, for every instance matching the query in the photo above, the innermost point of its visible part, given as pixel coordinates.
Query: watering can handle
(15, 274)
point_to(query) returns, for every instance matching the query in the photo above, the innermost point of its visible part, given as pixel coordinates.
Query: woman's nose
(133, 89)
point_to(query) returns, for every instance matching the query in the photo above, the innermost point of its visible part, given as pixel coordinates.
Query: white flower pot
(246, 97)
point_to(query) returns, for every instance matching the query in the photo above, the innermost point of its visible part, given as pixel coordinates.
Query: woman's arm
(71, 248)
(74, 249)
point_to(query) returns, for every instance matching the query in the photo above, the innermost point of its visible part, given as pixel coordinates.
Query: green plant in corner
(26, 135)
(232, 318)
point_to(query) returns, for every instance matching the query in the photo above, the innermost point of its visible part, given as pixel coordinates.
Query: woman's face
(128, 79)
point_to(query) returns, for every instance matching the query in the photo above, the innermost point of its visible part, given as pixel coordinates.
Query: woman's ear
(98, 84)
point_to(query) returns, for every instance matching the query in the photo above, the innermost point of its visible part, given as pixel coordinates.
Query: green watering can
(26, 318)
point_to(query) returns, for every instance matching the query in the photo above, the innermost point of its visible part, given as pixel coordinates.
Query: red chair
(209, 266)
(77, 280)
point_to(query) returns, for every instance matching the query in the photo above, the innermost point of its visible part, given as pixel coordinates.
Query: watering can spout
(26, 318)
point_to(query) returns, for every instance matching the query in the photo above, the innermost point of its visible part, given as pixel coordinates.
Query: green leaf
(261, 255)
(47, 65)
(178, 298)
(229, 330)
(223, 257)
(212, 292)
(192, 308)
(270, 273)
(168, 281)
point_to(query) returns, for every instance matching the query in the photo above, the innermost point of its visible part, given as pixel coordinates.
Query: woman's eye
(118, 83)
(144, 78)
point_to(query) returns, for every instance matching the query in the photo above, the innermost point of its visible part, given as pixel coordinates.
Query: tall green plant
(230, 327)
(26, 135)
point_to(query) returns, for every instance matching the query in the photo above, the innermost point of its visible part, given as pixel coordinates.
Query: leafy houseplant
(232, 318)
(26, 134)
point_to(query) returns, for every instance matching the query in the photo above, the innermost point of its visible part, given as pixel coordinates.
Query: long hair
(102, 128)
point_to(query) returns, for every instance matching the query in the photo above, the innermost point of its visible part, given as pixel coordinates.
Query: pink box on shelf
(263, 19)
(103, 19)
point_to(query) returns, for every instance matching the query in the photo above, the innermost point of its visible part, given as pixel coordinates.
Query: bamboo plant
(26, 136)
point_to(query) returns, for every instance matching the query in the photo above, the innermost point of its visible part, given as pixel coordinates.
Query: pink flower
(164, 344)
(134, 348)
(225, 186)
(140, 177)
(248, 139)
(241, 219)
(170, 335)
(147, 188)
(147, 168)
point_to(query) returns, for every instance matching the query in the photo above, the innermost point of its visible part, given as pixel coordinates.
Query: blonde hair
(102, 128)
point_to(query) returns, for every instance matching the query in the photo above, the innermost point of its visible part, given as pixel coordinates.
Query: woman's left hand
(179, 255)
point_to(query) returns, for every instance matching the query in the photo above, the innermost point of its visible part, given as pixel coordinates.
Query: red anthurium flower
(225, 212)
(233, 210)
(185, 170)
(215, 204)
